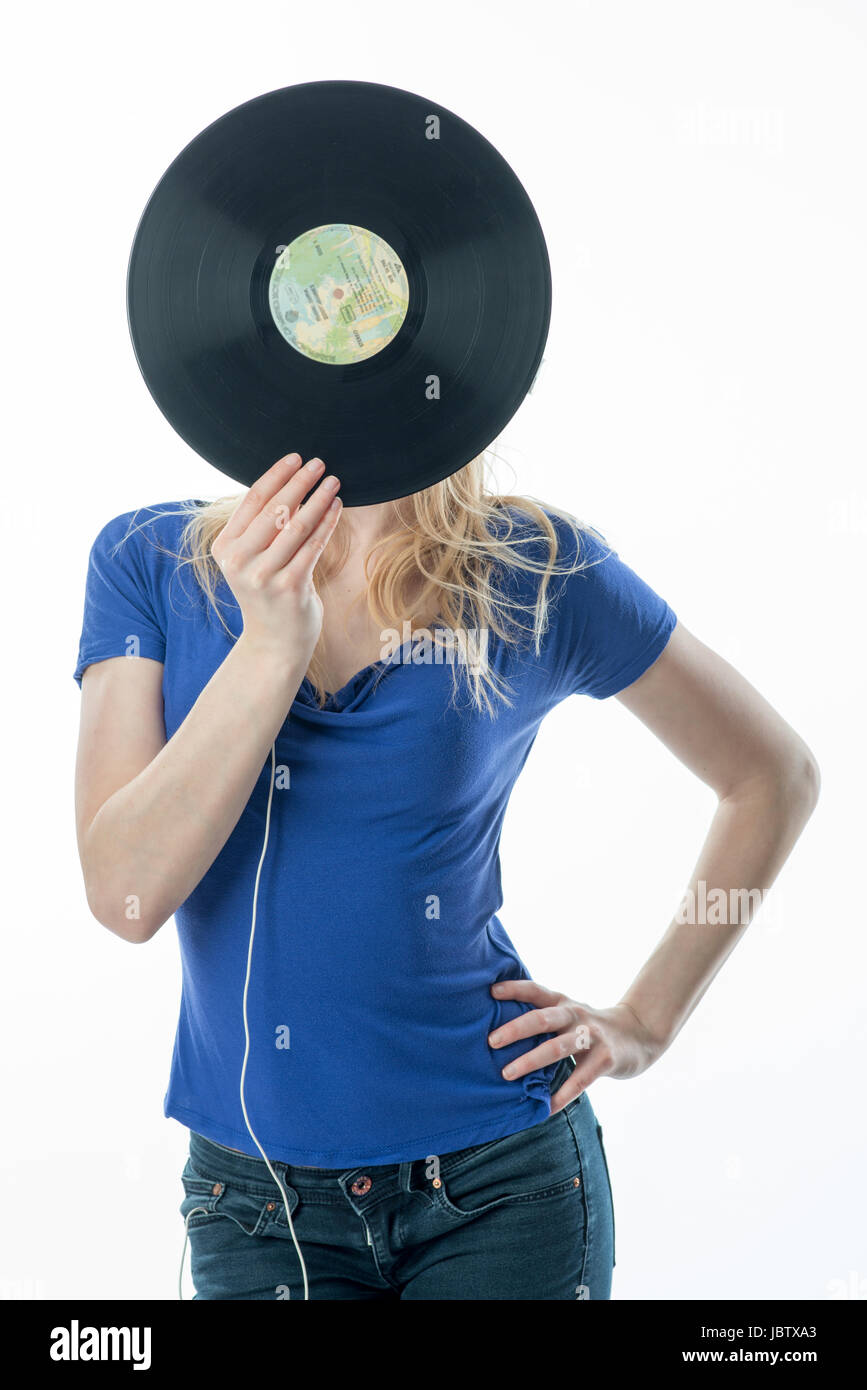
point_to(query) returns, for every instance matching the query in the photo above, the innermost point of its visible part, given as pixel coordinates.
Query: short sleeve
(609, 625)
(120, 613)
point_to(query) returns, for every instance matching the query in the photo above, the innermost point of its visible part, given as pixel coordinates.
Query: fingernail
(508, 1071)
(335, 505)
(494, 1039)
(315, 464)
(330, 484)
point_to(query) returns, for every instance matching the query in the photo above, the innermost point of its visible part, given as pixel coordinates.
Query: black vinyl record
(340, 269)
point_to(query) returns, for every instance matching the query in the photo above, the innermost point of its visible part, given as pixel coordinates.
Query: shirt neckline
(338, 701)
(347, 699)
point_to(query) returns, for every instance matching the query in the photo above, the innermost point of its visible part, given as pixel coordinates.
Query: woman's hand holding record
(267, 552)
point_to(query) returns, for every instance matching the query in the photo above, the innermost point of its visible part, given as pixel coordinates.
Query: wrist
(660, 1031)
(274, 663)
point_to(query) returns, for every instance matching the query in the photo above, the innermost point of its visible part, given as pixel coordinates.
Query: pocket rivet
(576, 1182)
(437, 1182)
(271, 1206)
(216, 1189)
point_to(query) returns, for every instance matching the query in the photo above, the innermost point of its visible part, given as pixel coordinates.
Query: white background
(698, 169)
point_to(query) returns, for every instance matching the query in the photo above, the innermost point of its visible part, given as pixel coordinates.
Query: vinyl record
(340, 269)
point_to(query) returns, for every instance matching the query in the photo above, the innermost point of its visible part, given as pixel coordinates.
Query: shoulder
(145, 533)
(157, 520)
(552, 537)
(528, 521)
(580, 545)
(590, 583)
(606, 624)
(141, 552)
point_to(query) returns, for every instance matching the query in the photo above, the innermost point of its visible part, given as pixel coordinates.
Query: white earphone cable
(283, 1192)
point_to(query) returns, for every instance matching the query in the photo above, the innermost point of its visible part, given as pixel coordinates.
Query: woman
(382, 1102)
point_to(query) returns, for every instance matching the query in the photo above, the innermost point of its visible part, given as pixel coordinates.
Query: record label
(338, 293)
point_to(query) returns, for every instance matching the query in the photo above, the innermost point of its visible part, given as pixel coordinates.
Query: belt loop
(405, 1176)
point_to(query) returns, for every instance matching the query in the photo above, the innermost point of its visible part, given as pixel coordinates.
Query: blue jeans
(525, 1217)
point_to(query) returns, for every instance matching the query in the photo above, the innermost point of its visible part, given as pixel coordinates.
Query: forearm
(751, 835)
(153, 840)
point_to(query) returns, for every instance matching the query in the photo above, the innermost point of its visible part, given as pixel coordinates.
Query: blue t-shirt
(377, 936)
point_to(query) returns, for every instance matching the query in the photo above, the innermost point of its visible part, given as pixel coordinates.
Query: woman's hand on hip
(604, 1042)
(267, 552)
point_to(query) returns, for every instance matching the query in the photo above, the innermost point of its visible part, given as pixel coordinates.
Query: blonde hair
(457, 540)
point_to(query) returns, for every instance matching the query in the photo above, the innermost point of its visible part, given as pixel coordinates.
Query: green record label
(338, 294)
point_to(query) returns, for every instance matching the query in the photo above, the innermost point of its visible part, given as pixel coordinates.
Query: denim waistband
(245, 1168)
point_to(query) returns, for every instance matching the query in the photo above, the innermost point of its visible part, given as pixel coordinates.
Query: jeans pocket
(211, 1198)
(610, 1192)
(530, 1166)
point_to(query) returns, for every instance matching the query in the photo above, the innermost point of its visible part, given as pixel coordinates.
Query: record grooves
(316, 272)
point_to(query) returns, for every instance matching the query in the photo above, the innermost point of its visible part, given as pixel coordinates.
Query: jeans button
(362, 1185)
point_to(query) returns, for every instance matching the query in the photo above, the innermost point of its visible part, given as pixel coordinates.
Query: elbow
(786, 781)
(122, 915)
(798, 780)
(808, 779)
(108, 875)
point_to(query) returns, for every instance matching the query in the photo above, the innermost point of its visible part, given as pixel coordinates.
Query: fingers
(527, 1025)
(526, 990)
(585, 1073)
(301, 533)
(277, 512)
(589, 1066)
(545, 1055)
(304, 560)
(259, 494)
